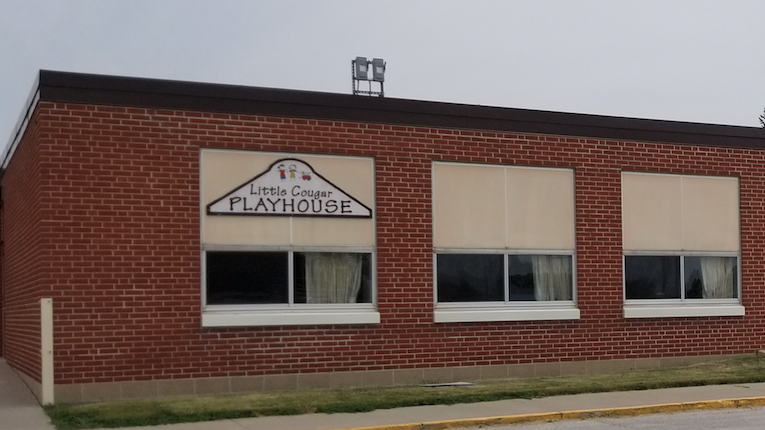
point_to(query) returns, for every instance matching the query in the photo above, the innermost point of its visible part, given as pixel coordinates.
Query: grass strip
(193, 409)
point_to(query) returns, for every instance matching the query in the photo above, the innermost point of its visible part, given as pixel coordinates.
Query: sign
(289, 187)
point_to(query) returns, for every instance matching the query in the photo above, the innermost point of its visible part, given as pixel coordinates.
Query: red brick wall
(120, 191)
(25, 253)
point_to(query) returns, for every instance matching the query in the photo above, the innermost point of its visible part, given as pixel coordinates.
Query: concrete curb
(568, 415)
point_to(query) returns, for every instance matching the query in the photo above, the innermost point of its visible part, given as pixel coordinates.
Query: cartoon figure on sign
(306, 176)
(293, 169)
(282, 172)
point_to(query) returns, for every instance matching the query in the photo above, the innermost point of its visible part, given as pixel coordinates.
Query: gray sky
(693, 60)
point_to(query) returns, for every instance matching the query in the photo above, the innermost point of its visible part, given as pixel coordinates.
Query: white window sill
(287, 317)
(659, 311)
(484, 315)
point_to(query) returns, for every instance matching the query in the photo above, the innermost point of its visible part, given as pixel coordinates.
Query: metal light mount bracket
(360, 72)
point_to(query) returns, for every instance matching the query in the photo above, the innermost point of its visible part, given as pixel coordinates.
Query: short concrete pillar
(46, 350)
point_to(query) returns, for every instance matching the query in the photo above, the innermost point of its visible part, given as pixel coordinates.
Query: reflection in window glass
(652, 277)
(521, 277)
(540, 277)
(470, 277)
(246, 277)
(330, 277)
(235, 277)
(711, 277)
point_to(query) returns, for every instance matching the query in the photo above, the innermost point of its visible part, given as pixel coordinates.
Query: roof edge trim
(236, 99)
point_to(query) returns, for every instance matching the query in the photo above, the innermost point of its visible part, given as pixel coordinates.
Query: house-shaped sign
(289, 187)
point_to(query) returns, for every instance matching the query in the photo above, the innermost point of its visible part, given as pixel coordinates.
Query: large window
(503, 278)
(681, 245)
(504, 243)
(680, 277)
(293, 278)
(288, 239)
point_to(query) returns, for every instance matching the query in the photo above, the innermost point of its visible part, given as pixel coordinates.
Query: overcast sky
(698, 61)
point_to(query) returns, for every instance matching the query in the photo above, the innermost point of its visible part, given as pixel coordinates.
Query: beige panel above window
(710, 214)
(651, 213)
(354, 175)
(240, 230)
(679, 213)
(540, 208)
(485, 207)
(309, 231)
(224, 170)
(221, 171)
(468, 206)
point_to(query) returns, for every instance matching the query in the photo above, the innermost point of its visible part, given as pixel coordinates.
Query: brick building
(165, 237)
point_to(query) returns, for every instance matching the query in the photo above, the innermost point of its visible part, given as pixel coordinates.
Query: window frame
(355, 175)
(685, 232)
(291, 313)
(682, 307)
(510, 310)
(507, 310)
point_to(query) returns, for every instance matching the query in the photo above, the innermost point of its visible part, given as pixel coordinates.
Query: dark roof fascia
(206, 97)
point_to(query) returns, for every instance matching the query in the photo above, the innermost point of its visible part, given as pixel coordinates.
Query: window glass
(652, 277)
(470, 277)
(481, 277)
(540, 277)
(329, 277)
(521, 277)
(711, 277)
(246, 277)
(235, 277)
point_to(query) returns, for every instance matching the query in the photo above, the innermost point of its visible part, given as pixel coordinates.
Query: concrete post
(46, 337)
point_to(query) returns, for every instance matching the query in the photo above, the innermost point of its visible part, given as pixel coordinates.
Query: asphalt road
(728, 419)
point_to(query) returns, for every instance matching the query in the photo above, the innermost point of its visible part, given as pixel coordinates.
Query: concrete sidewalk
(19, 410)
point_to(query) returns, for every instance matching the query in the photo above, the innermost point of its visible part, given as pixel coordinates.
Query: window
(260, 278)
(471, 278)
(503, 278)
(540, 277)
(280, 257)
(652, 277)
(504, 243)
(247, 277)
(661, 277)
(710, 277)
(681, 246)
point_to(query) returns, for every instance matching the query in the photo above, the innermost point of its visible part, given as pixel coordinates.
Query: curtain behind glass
(552, 277)
(332, 277)
(719, 277)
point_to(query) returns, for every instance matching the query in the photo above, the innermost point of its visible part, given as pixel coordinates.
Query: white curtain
(332, 277)
(552, 277)
(718, 276)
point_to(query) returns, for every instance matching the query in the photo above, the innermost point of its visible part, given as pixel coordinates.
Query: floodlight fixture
(360, 72)
(361, 68)
(378, 70)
